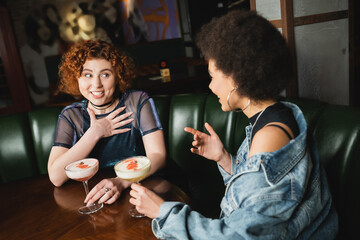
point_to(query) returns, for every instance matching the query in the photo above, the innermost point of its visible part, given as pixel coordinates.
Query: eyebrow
(106, 69)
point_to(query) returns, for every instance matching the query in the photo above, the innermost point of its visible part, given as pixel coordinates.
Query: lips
(97, 94)
(218, 98)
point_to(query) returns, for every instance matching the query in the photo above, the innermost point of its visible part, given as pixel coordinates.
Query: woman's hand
(208, 146)
(107, 191)
(109, 125)
(146, 201)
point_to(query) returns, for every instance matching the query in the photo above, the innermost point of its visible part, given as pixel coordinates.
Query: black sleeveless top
(275, 113)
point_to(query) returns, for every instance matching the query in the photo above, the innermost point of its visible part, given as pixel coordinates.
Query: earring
(238, 109)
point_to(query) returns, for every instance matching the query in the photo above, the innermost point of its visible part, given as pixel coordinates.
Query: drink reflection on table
(68, 199)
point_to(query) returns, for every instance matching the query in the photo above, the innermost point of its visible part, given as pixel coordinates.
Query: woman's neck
(104, 108)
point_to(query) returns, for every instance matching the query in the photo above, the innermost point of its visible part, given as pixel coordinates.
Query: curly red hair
(73, 60)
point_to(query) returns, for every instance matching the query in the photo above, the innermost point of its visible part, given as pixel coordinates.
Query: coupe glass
(82, 171)
(133, 169)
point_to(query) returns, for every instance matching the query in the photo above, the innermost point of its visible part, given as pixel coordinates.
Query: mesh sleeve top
(74, 121)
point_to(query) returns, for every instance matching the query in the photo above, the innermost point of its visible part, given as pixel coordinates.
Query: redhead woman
(110, 124)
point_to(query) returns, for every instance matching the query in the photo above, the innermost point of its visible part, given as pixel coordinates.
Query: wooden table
(35, 209)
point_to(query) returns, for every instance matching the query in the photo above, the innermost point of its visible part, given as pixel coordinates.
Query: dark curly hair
(251, 50)
(73, 60)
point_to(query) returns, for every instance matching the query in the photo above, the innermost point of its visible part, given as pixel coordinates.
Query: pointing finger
(191, 130)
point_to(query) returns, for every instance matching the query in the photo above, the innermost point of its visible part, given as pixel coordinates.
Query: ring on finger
(107, 189)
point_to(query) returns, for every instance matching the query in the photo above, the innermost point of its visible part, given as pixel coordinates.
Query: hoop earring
(238, 109)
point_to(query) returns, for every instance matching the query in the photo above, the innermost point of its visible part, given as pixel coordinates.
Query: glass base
(90, 209)
(134, 213)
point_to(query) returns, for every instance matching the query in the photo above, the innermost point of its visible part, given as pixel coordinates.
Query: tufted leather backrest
(336, 130)
(25, 142)
(17, 156)
(43, 125)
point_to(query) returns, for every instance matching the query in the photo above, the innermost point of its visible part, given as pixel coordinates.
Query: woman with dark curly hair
(111, 124)
(275, 188)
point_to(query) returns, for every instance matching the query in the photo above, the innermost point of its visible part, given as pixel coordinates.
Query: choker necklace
(238, 109)
(103, 106)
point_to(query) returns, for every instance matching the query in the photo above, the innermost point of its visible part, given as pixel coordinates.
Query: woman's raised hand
(208, 146)
(109, 125)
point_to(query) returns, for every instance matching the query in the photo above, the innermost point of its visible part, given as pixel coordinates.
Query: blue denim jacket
(272, 195)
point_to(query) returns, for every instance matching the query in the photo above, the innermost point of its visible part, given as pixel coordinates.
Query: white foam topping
(132, 167)
(82, 168)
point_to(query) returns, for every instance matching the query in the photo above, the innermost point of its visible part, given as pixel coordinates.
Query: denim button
(237, 162)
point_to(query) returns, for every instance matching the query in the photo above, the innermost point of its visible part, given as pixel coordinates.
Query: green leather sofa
(26, 139)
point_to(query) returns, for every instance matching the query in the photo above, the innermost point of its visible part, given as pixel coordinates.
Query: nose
(210, 85)
(97, 82)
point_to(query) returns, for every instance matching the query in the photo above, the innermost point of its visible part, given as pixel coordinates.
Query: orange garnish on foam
(133, 165)
(82, 165)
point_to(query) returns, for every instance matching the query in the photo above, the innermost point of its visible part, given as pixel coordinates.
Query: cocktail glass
(133, 169)
(82, 171)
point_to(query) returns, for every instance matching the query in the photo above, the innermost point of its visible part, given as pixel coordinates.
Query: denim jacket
(272, 195)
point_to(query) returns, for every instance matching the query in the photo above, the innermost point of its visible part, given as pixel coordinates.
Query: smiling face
(97, 81)
(221, 85)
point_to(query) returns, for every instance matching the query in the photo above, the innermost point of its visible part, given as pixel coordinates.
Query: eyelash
(104, 75)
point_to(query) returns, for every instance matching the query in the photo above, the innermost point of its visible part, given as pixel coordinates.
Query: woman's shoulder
(135, 96)
(135, 93)
(279, 109)
(292, 106)
(268, 139)
(75, 107)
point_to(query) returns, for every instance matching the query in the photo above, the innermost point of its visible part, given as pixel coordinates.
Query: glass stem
(86, 186)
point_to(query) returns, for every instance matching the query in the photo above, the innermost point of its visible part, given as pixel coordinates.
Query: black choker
(106, 105)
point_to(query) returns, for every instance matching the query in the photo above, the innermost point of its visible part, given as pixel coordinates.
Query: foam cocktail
(133, 169)
(82, 171)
